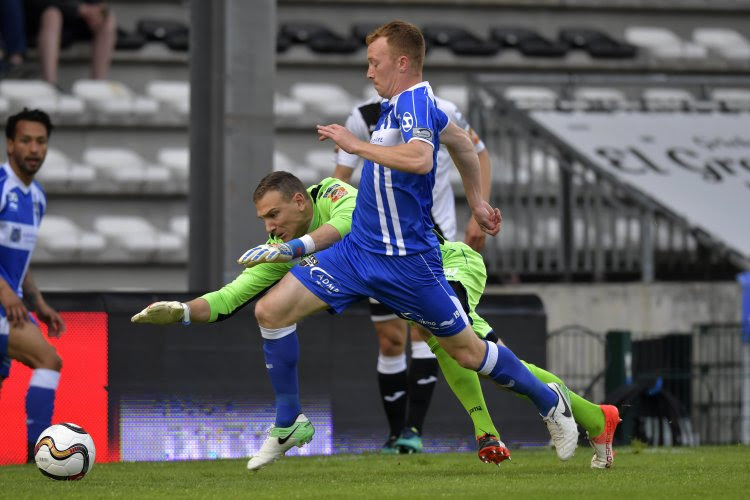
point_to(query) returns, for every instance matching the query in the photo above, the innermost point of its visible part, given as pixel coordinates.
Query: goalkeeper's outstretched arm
(166, 312)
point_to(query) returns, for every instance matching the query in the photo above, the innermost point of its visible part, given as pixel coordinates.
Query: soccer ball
(64, 452)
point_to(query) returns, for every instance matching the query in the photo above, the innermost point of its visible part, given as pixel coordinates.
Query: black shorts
(74, 27)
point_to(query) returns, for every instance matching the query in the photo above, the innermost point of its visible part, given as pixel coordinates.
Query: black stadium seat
(160, 29)
(361, 30)
(318, 38)
(597, 43)
(528, 42)
(127, 40)
(459, 40)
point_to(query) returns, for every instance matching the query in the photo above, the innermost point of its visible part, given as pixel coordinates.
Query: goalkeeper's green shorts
(464, 269)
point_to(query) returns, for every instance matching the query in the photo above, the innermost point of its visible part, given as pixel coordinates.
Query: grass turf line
(713, 472)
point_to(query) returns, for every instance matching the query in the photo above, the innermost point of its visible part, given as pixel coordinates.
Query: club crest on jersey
(407, 121)
(13, 201)
(422, 133)
(309, 261)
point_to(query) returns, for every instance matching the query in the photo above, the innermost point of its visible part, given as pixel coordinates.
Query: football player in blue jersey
(22, 205)
(391, 253)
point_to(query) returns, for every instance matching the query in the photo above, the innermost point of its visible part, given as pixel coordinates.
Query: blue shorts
(413, 286)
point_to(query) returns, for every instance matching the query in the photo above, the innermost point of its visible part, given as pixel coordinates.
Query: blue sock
(281, 361)
(502, 366)
(40, 402)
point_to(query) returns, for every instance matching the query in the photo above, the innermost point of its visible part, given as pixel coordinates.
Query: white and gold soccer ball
(65, 452)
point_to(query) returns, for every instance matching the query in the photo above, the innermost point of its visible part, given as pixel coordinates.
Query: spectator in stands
(58, 23)
(13, 37)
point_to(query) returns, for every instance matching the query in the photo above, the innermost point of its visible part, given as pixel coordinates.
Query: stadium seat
(528, 42)
(173, 96)
(40, 94)
(532, 98)
(322, 160)
(728, 43)
(667, 99)
(160, 29)
(177, 160)
(60, 174)
(180, 225)
(125, 170)
(601, 98)
(732, 99)
(301, 32)
(61, 240)
(287, 107)
(361, 30)
(4, 107)
(663, 43)
(114, 100)
(597, 43)
(127, 40)
(282, 162)
(139, 240)
(459, 40)
(457, 94)
(329, 99)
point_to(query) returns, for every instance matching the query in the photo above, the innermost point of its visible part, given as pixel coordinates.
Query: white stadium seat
(39, 94)
(60, 240)
(172, 95)
(59, 173)
(282, 162)
(329, 99)
(114, 100)
(4, 106)
(601, 97)
(287, 107)
(322, 160)
(663, 43)
(726, 42)
(667, 99)
(180, 225)
(139, 239)
(531, 98)
(177, 160)
(732, 99)
(125, 170)
(457, 94)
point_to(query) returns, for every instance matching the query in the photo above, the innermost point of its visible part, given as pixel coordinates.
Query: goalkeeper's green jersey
(333, 203)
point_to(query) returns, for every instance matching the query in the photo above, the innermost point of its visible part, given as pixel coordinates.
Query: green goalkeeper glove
(164, 313)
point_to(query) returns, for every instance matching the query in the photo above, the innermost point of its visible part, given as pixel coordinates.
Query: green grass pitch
(654, 473)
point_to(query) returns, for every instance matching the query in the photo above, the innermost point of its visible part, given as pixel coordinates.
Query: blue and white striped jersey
(392, 215)
(21, 211)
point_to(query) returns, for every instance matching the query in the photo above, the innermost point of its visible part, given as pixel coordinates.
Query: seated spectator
(13, 37)
(58, 23)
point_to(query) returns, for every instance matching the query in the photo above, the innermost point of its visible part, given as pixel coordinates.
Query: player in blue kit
(22, 205)
(391, 253)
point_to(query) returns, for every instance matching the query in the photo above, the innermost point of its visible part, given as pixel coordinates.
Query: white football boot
(280, 440)
(561, 424)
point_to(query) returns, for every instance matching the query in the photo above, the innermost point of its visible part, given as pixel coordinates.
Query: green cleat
(280, 440)
(409, 441)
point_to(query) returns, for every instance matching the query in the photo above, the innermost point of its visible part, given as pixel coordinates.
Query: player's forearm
(31, 294)
(342, 172)
(485, 173)
(200, 310)
(325, 236)
(414, 157)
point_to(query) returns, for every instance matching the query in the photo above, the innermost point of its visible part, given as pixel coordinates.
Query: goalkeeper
(289, 211)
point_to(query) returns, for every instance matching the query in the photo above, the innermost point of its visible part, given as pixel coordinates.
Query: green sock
(465, 385)
(587, 414)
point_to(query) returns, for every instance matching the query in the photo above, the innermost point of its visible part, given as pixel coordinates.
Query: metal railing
(566, 219)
